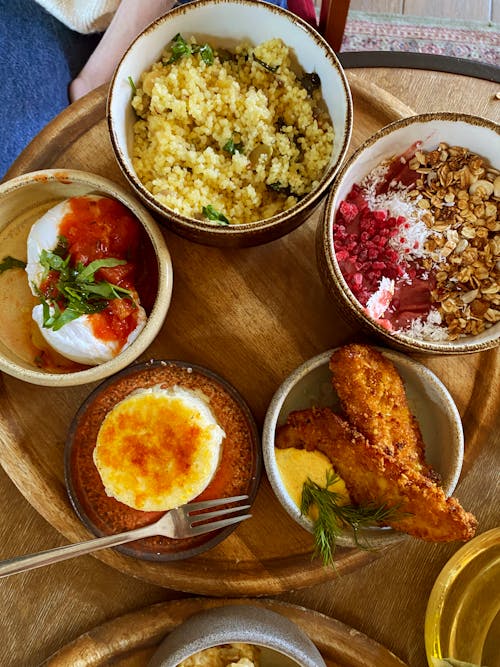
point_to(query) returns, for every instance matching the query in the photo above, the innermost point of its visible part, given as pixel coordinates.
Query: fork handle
(32, 561)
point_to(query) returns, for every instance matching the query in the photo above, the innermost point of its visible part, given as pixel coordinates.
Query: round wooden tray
(130, 640)
(251, 315)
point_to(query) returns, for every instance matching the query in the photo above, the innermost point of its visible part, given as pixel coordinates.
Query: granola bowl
(239, 150)
(408, 245)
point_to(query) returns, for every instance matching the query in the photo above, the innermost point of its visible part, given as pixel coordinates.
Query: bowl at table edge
(23, 200)
(282, 643)
(430, 402)
(479, 135)
(230, 22)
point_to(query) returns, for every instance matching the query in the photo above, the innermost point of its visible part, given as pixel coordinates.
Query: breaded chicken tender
(373, 475)
(373, 398)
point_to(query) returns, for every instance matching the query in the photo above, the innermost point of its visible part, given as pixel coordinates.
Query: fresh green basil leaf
(179, 49)
(64, 317)
(51, 261)
(207, 54)
(88, 272)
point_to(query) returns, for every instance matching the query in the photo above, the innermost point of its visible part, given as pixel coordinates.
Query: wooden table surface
(386, 599)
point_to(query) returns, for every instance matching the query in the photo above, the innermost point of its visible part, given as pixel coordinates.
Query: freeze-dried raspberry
(348, 210)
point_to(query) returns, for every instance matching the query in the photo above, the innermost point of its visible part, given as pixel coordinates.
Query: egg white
(44, 235)
(75, 340)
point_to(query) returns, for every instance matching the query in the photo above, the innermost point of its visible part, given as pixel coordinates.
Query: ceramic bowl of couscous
(230, 119)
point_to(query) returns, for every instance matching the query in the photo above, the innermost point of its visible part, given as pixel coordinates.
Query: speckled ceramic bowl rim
(446, 347)
(100, 185)
(376, 536)
(237, 623)
(254, 479)
(269, 223)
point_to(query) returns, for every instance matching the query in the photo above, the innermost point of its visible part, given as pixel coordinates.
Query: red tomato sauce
(101, 229)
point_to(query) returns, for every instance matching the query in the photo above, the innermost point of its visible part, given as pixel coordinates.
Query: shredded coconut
(378, 303)
(413, 232)
(429, 329)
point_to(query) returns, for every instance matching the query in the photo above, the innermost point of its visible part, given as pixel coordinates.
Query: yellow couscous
(229, 137)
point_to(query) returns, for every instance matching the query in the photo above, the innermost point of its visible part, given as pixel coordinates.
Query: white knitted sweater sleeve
(84, 16)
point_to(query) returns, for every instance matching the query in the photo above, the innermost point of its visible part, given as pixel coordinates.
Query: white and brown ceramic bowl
(281, 643)
(228, 23)
(23, 200)
(310, 385)
(481, 137)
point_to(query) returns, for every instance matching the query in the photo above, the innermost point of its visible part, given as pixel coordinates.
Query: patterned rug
(386, 32)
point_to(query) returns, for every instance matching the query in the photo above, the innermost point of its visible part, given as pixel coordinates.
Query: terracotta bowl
(241, 451)
(229, 22)
(429, 400)
(23, 200)
(281, 642)
(480, 136)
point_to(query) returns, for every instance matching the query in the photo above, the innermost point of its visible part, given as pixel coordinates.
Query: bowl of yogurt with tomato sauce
(85, 278)
(409, 245)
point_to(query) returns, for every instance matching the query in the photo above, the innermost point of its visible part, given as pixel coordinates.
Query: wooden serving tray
(251, 315)
(130, 640)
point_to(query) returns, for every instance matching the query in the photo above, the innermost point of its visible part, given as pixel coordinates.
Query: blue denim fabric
(39, 56)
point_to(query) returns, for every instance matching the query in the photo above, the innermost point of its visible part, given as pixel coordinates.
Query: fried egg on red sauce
(158, 448)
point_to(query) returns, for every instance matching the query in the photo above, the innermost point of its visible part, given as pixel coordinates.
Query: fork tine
(216, 525)
(212, 515)
(194, 507)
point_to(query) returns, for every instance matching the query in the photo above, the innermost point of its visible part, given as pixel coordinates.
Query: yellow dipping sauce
(296, 465)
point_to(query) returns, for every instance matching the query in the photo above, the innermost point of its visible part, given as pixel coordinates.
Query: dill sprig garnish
(333, 516)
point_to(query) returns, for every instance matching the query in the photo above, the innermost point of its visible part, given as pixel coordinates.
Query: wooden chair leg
(332, 20)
